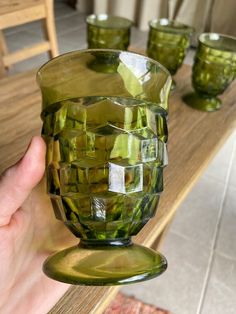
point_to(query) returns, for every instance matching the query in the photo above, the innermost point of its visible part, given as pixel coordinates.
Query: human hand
(24, 234)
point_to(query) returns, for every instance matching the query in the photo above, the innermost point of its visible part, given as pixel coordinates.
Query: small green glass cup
(106, 136)
(168, 41)
(214, 69)
(108, 32)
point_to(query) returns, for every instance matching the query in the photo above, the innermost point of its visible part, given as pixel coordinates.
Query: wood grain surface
(194, 138)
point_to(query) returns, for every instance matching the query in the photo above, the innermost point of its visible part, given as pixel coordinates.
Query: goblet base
(105, 265)
(203, 103)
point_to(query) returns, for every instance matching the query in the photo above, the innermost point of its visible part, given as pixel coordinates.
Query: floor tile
(23, 27)
(21, 39)
(190, 56)
(35, 28)
(73, 40)
(138, 38)
(197, 216)
(179, 288)
(226, 243)
(232, 178)
(220, 296)
(63, 10)
(59, 3)
(74, 22)
(29, 64)
(219, 166)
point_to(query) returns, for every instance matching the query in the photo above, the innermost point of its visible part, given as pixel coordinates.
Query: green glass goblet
(214, 69)
(106, 137)
(168, 41)
(105, 31)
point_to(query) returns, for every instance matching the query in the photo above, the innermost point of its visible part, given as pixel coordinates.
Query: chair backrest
(18, 12)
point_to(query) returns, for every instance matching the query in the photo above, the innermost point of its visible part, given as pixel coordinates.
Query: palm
(25, 242)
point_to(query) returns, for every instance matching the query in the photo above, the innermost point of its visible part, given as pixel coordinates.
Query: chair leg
(3, 51)
(2, 67)
(3, 45)
(49, 29)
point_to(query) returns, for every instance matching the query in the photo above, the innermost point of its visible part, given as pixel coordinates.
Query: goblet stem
(94, 243)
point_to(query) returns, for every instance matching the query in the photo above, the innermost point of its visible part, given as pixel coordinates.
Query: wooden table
(194, 139)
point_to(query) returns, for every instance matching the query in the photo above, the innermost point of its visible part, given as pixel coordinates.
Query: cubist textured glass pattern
(105, 162)
(104, 31)
(168, 42)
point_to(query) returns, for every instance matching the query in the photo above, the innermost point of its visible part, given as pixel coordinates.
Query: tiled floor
(200, 245)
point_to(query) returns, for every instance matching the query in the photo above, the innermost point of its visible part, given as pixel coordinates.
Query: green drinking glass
(106, 135)
(105, 31)
(214, 69)
(168, 41)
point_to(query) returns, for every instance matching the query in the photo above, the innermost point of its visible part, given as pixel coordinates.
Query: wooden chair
(18, 12)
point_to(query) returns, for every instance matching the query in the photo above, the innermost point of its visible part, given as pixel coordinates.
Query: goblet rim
(92, 18)
(170, 26)
(83, 51)
(215, 37)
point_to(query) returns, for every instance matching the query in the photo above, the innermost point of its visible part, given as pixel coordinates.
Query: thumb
(17, 181)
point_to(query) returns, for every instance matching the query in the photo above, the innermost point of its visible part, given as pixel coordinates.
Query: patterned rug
(123, 304)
